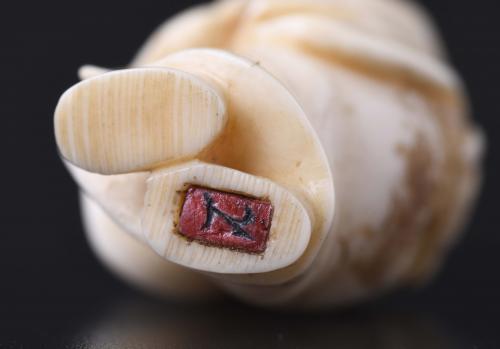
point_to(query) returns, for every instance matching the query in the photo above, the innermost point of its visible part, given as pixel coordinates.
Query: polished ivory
(342, 116)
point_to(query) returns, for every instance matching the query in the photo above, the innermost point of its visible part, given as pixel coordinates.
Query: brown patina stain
(401, 227)
(445, 201)
(424, 213)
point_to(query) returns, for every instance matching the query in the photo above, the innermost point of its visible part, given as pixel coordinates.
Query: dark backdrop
(53, 292)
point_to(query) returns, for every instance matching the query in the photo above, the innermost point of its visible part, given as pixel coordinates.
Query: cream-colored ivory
(146, 117)
(89, 71)
(344, 113)
(138, 264)
(120, 196)
(210, 25)
(269, 136)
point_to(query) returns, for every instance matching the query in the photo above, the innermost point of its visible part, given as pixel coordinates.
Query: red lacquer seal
(223, 219)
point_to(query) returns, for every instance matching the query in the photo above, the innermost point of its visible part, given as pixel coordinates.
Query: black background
(54, 293)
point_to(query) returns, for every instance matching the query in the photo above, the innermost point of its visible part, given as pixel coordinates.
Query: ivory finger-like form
(299, 153)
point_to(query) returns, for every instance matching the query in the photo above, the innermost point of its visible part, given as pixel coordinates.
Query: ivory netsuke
(300, 153)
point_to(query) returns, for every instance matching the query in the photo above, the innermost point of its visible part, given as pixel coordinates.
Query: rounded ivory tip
(216, 219)
(135, 119)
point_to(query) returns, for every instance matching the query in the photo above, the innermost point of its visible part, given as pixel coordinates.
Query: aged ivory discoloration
(343, 113)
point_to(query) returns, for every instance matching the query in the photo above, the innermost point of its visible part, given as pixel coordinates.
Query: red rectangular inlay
(225, 219)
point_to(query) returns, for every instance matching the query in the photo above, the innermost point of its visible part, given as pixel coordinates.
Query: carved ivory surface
(299, 153)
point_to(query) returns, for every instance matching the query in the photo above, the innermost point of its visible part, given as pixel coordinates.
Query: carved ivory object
(296, 153)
